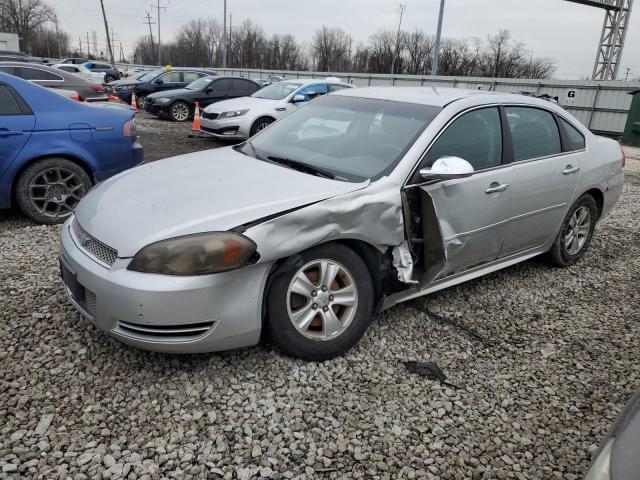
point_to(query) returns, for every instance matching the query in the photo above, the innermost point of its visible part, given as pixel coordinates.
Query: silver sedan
(361, 200)
(241, 118)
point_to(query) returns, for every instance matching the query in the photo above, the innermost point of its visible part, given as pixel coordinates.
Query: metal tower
(614, 32)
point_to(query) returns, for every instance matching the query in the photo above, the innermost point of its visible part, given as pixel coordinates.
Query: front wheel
(321, 309)
(109, 78)
(575, 233)
(260, 125)
(179, 112)
(141, 101)
(48, 191)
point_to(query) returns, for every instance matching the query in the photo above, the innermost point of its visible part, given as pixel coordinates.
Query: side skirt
(462, 277)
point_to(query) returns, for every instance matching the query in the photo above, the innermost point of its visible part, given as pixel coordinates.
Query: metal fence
(600, 105)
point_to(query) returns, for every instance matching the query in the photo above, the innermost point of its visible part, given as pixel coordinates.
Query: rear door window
(475, 136)
(223, 85)
(334, 87)
(29, 73)
(534, 133)
(189, 77)
(172, 77)
(575, 138)
(8, 103)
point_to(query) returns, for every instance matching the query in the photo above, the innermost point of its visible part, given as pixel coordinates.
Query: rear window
(8, 104)
(574, 137)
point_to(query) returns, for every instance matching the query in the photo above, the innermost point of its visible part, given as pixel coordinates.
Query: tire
(141, 101)
(322, 338)
(568, 248)
(109, 78)
(179, 111)
(48, 190)
(260, 124)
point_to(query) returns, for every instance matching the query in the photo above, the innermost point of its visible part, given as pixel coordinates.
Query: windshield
(199, 84)
(352, 138)
(277, 91)
(151, 75)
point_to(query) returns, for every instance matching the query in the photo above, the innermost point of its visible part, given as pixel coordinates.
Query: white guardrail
(602, 106)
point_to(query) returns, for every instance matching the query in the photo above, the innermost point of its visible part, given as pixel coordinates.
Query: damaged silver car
(360, 200)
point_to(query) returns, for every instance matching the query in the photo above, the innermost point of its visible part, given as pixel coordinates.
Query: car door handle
(6, 133)
(569, 170)
(496, 187)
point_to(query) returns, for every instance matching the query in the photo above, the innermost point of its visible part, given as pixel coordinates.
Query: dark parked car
(52, 149)
(53, 77)
(74, 61)
(157, 80)
(179, 104)
(111, 73)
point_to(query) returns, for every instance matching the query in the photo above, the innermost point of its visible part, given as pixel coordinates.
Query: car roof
(434, 96)
(306, 81)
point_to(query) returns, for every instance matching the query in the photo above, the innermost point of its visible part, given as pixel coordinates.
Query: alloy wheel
(578, 230)
(322, 299)
(55, 192)
(180, 112)
(142, 102)
(262, 126)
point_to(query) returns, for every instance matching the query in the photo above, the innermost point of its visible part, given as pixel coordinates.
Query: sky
(564, 31)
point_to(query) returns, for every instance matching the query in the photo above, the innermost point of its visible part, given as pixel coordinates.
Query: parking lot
(539, 361)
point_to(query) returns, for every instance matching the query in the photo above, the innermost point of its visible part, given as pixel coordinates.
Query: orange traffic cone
(134, 103)
(196, 119)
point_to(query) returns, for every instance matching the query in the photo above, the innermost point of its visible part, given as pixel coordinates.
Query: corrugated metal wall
(602, 106)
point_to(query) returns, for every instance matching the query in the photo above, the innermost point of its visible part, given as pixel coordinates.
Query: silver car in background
(362, 199)
(241, 118)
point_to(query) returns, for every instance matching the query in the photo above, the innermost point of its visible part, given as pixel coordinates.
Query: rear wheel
(321, 309)
(48, 191)
(576, 232)
(179, 112)
(260, 124)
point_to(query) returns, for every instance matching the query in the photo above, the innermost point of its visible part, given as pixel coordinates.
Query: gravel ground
(547, 359)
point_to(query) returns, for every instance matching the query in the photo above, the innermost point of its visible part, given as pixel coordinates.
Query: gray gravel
(556, 361)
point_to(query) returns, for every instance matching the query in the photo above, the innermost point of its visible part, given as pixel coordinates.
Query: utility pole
(401, 7)
(626, 75)
(230, 47)
(436, 47)
(224, 37)
(106, 29)
(88, 49)
(80, 42)
(149, 22)
(58, 37)
(158, 7)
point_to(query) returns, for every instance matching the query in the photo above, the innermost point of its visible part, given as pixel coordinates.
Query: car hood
(241, 104)
(172, 93)
(211, 190)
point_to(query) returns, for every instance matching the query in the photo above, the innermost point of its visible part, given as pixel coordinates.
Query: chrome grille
(95, 247)
(168, 332)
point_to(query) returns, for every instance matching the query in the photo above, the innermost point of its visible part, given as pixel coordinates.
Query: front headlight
(197, 254)
(162, 100)
(234, 113)
(600, 469)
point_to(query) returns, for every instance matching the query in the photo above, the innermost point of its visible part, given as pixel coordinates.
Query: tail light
(97, 88)
(129, 129)
(624, 158)
(75, 97)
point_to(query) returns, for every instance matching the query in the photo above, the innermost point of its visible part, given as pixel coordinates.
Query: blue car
(111, 73)
(53, 149)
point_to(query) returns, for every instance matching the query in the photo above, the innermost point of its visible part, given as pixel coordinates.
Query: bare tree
(332, 49)
(24, 17)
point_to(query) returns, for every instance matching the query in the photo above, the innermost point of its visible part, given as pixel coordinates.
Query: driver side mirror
(208, 90)
(298, 99)
(447, 168)
(159, 81)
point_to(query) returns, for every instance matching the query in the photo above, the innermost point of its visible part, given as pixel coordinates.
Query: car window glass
(277, 91)
(9, 70)
(67, 69)
(475, 137)
(101, 66)
(240, 85)
(313, 91)
(534, 133)
(321, 127)
(36, 74)
(8, 104)
(223, 85)
(190, 76)
(171, 77)
(576, 139)
(334, 87)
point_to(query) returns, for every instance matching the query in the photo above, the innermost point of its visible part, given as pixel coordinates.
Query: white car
(81, 71)
(241, 118)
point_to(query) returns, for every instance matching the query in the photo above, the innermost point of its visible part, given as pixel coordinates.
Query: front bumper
(237, 128)
(160, 312)
(157, 109)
